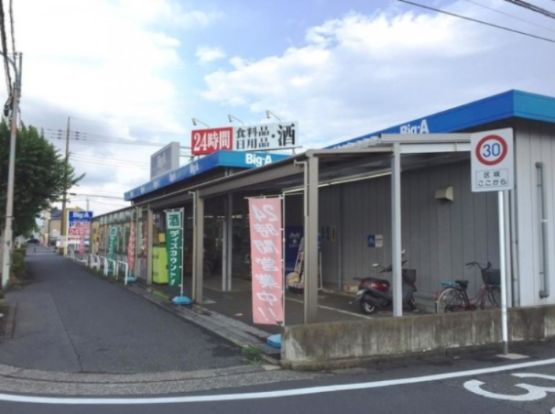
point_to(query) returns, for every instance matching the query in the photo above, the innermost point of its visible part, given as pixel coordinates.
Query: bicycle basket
(491, 277)
(409, 276)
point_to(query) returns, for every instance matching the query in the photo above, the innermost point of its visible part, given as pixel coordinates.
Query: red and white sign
(207, 141)
(492, 160)
(266, 260)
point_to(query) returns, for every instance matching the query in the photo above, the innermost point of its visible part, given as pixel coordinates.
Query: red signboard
(207, 141)
(266, 260)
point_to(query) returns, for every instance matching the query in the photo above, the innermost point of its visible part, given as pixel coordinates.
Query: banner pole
(181, 211)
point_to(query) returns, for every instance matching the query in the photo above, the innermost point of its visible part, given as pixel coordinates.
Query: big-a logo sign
(257, 160)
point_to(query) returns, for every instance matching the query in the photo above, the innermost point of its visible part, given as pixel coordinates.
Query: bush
(18, 263)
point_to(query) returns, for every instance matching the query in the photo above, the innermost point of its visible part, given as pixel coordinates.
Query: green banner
(174, 245)
(112, 243)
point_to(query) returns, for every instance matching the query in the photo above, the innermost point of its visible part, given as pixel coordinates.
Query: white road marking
(534, 392)
(269, 394)
(358, 315)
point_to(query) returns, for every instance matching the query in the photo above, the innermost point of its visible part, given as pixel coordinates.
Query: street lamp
(8, 232)
(269, 114)
(198, 121)
(231, 117)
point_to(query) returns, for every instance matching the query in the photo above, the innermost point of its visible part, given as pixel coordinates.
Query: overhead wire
(512, 16)
(92, 156)
(5, 51)
(84, 137)
(532, 7)
(12, 27)
(460, 16)
(111, 164)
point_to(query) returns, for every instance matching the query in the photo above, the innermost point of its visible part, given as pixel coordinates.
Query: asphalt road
(462, 387)
(72, 321)
(79, 322)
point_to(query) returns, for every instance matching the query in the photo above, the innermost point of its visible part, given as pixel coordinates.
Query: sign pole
(492, 169)
(503, 271)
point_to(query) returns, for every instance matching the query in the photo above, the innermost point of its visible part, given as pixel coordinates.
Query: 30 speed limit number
(492, 160)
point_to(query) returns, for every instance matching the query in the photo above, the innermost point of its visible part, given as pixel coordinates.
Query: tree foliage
(39, 176)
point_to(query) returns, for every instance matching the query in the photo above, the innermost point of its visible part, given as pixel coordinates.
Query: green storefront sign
(112, 243)
(174, 245)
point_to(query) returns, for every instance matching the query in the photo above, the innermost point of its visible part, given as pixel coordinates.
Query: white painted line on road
(269, 394)
(358, 315)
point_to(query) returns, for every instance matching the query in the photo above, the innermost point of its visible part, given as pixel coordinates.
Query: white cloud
(206, 54)
(110, 62)
(360, 73)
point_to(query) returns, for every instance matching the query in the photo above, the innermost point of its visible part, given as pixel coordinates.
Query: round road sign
(491, 150)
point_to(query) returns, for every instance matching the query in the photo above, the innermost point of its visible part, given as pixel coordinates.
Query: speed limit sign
(492, 161)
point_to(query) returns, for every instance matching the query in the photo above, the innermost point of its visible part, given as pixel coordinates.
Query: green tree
(39, 176)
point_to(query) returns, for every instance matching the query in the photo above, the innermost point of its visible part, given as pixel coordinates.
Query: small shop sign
(112, 246)
(174, 245)
(209, 140)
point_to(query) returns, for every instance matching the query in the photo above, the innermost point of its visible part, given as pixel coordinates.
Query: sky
(130, 74)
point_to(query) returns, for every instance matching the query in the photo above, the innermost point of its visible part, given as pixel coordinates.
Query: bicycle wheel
(450, 300)
(493, 297)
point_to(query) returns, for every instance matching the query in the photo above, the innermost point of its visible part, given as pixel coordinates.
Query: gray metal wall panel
(534, 144)
(330, 201)
(439, 236)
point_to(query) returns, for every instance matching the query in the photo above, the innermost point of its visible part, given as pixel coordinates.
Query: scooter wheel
(368, 306)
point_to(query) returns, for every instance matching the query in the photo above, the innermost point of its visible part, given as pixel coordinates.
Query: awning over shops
(220, 159)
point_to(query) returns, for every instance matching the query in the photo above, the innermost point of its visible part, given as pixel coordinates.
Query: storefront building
(343, 200)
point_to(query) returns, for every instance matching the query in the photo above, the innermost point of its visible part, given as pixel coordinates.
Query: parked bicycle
(454, 296)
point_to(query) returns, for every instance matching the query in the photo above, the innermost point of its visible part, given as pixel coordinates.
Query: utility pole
(64, 200)
(8, 233)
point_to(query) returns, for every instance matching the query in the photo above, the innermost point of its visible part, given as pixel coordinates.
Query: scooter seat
(375, 279)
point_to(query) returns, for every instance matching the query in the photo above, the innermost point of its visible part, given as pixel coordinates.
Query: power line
(92, 156)
(5, 51)
(12, 27)
(460, 16)
(97, 196)
(83, 136)
(512, 16)
(532, 7)
(111, 164)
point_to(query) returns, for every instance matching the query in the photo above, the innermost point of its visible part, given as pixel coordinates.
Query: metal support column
(198, 247)
(227, 246)
(149, 238)
(396, 255)
(311, 241)
(503, 271)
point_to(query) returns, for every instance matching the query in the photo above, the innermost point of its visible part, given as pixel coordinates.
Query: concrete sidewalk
(67, 319)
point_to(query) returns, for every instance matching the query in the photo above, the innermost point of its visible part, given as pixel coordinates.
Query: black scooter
(374, 293)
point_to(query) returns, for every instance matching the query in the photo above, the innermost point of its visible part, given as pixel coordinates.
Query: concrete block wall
(346, 343)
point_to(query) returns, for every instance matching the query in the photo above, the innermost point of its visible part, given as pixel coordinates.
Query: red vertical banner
(131, 248)
(266, 260)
